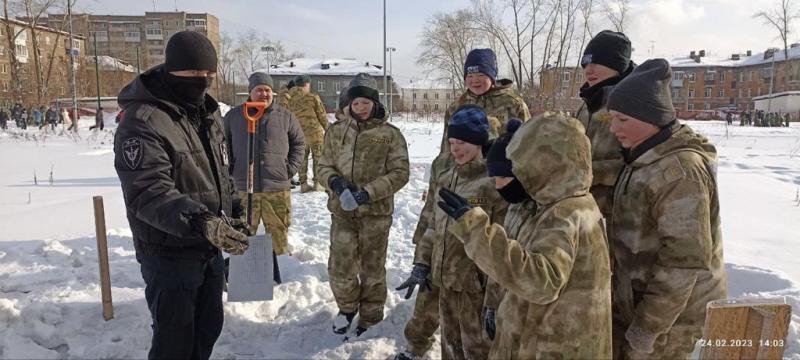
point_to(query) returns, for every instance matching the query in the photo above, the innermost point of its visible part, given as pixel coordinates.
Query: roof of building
(754, 59)
(426, 84)
(42, 28)
(775, 95)
(325, 67)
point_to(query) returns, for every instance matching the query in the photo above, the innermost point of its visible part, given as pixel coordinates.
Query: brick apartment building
(699, 82)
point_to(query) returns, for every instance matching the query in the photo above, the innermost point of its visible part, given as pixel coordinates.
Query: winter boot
(406, 355)
(304, 188)
(295, 182)
(342, 322)
(360, 330)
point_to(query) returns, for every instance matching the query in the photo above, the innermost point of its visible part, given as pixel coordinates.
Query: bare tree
(33, 10)
(617, 12)
(781, 18)
(446, 41)
(12, 34)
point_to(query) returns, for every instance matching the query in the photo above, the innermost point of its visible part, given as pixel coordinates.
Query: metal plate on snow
(250, 274)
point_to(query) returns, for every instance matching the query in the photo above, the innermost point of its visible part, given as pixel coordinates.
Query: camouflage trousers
(677, 344)
(315, 149)
(356, 265)
(274, 209)
(424, 322)
(461, 316)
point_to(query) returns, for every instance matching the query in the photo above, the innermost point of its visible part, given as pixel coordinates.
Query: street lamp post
(390, 50)
(267, 49)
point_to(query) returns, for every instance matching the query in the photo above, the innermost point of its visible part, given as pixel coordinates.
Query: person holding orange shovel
(265, 153)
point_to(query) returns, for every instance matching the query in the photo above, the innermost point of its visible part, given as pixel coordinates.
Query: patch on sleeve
(380, 140)
(132, 153)
(478, 200)
(604, 117)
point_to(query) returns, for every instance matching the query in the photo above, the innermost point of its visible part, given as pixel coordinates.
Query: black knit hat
(645, 94)
(301, 80)
(290, 84)
(497, 164)
(481, 61)
(259, 78)
(189, 50)
(363, 85)
(469, 124)
(608, 48)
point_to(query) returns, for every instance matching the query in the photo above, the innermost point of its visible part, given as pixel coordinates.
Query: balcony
(677, 83)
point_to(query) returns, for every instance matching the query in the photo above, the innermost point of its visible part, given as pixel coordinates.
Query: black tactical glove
(419, 276)
(489, 322)
(454, 205)
(361, 197)
(338, 185)
(220, 232)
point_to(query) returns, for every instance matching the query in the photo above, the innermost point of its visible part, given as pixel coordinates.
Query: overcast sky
(339, 28)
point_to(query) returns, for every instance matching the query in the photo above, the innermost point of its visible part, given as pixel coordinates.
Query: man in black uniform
(172, 162)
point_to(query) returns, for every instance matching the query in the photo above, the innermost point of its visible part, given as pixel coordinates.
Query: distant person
(3, 119)
(98, 119)
(307, 107)
(37, 115)
(23, 119)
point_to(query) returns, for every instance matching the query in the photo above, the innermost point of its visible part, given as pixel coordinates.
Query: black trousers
(185, 302)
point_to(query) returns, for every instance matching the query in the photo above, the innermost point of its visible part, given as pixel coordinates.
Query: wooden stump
(745, 329)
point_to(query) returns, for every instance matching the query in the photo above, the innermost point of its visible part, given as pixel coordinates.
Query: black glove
(489, 322)
(419, 276)
(338, 185)
(454, 205)
(485, 148)
(361, 196)
(220, 232)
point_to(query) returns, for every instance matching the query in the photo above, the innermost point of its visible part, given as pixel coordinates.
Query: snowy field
(50, 293)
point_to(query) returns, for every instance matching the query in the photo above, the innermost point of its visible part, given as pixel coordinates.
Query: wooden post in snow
(745, 329)
(102, 255)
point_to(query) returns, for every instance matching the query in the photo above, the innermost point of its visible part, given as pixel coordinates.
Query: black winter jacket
(172, 167)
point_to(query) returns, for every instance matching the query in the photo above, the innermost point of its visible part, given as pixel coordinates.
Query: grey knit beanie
(645, 94)
(259, 78)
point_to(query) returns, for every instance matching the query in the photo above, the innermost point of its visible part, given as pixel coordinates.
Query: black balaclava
(188, 50)
(514, 192)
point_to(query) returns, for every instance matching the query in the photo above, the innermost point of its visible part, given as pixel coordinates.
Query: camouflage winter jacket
(438, 167)
(501, 103)
(308, 109)
(666, 240)
(370, 154)
(283, 97)
(606, 158)
(450, 266)
(553, 262)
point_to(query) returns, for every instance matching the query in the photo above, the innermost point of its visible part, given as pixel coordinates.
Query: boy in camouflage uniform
(364, 162)
(310, 111)
(606, 61)
(665, 228)
(501, 103)
(551, 256)
(460, 282)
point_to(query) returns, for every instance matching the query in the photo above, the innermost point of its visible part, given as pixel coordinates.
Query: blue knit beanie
(481, 61)
(469, 124)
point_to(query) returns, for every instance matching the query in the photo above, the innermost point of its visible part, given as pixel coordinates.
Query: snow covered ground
(49, 287)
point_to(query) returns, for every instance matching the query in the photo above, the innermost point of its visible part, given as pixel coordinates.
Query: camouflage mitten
(219, 232)
(640, 339)
(419, 276)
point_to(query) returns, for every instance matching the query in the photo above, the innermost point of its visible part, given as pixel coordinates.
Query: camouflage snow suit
(667, 246)
(551, 257)
(372, 155)
(461, 284)
(308, 109)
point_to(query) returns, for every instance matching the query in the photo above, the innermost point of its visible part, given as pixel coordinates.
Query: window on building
(436, 96)
(690, 107)
(748, 93)
(692, 76)
(721, 76)
(154, 32)
(337, 86)
(752, 74)
(740, 92)
(22, 50)
(706, 106)
(721, 93)
(565, 76)
(707, 93)
(156, 52)
(425, 96)
(676, 93)
(320, 86)
(691, 93)
(436, 107)
(579, 78)
(677, 76)
(710, 75)
(741, 77)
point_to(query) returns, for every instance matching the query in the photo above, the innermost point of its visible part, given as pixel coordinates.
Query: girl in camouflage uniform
(364, 162)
